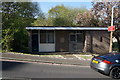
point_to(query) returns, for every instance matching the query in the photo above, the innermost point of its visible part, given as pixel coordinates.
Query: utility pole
(111, 33)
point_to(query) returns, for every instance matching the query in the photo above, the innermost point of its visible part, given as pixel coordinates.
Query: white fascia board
(66, 28)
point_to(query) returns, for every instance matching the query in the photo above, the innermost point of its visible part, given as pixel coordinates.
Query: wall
(93, 41)
(62, 41)
(100, 42)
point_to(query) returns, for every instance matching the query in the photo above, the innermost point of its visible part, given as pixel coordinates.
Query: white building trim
(47, 47)
(66, 28)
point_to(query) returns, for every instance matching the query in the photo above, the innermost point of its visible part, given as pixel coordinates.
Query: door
(76, 41)
(72, 43)
(34, 42)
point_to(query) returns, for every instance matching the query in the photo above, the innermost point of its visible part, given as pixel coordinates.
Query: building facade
(68, 39)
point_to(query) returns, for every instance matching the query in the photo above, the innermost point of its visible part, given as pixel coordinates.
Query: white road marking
(78, 57)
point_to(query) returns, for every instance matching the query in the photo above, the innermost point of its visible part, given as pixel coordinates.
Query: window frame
(47, 37)
(76, 33)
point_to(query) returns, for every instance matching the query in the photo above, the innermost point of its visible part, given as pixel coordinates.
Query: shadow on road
(6, 65)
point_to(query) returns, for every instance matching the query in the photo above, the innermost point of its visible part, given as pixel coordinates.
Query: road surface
(39, 70)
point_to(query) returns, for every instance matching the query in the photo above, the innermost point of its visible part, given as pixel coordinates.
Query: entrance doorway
(76, 41)
(35, 42)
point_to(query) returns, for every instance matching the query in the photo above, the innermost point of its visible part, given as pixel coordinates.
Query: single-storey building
(68, 39)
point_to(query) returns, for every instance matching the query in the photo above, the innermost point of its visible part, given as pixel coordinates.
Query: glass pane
(72, 37)
(101, 39)
(79, 38)
(42, 36)
(50, 36)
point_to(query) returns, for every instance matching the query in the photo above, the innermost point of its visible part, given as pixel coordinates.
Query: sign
(111, 28)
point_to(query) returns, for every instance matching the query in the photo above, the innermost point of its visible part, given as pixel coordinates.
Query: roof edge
(66, 28)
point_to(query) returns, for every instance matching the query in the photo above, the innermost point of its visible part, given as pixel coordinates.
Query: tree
(64, 16)
(103, 11)
(59, 16)
(40, 21)
(86, 19)
(100, 14)
(15, 17)
(117, 36)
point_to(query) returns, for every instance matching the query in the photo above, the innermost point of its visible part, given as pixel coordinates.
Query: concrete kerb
(38, 55)
(78, 56)
(26, 60)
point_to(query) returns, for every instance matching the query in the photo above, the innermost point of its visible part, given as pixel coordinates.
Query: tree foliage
(103, 11)
(101, 14)
(60, 16)
(15, 17)
(86, 19)
(64, 16)
(40, 21)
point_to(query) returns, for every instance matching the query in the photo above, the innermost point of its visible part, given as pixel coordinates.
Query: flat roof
(66, 28)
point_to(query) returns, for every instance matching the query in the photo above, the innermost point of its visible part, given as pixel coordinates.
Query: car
(108, 64)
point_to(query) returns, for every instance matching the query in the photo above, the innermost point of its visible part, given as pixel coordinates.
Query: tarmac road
(39, 70)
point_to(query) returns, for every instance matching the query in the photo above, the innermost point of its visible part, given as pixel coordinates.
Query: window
(101, 39)
(50, 37)
(79, 38)
(76, 36)
(72, 37)
(46, 36)
(42, 36)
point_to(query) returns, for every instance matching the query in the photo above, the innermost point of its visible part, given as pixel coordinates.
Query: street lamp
(111, 33)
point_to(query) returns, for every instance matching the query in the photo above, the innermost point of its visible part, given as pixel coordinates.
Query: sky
(46, 6)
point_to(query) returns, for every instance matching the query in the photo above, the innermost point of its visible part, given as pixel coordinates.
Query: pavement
(66, 59)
